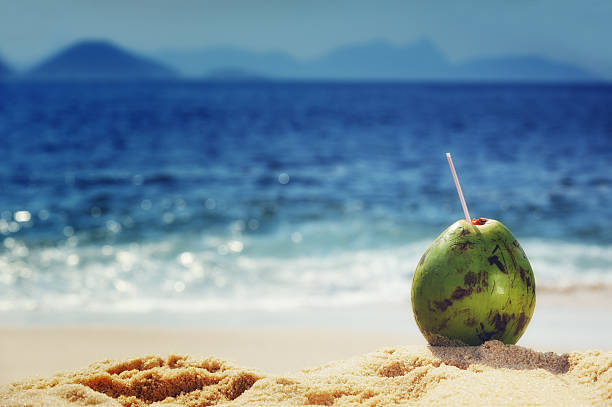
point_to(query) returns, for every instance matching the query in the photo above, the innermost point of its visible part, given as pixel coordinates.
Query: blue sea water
(192, 196)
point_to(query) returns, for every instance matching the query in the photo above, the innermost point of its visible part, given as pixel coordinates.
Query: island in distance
(94, 59)
(377, 60)
(5, 71)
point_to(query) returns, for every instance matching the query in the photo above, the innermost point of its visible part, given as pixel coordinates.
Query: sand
(279, 344)
(42, 351)
(491, 374)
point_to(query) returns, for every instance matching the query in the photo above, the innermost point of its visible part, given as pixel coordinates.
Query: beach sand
(491, 374)
(283, 358)
(26, 352)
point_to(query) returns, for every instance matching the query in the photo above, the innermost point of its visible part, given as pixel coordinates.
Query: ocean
(189, 197)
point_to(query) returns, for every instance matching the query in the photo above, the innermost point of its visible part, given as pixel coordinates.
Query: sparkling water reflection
(194, 196)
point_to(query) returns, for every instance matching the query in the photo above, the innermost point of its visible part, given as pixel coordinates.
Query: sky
(572, 31)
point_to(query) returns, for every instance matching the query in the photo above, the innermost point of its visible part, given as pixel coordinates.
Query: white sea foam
(179, 275)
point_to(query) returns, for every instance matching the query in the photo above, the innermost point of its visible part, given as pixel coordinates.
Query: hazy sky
(574, 31)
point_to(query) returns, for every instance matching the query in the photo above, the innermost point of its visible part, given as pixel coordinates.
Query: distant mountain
(422, 60)
(99, 60)
(202, 62)
(4, 70)
(521, 68)
(233, 74)
(382, 60)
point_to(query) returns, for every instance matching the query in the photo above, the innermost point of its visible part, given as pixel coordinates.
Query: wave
(282, 271)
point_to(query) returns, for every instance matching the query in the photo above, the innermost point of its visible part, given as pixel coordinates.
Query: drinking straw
(461, 198)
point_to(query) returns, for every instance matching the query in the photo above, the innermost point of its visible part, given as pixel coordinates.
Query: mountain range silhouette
(422, 60)
(375, 60)
(99, 59)
(4, 69)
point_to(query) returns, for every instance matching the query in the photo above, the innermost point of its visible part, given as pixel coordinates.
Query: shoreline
(273, 341)
(390, 315)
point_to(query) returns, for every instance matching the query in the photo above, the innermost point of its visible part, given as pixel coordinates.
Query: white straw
(452, 168)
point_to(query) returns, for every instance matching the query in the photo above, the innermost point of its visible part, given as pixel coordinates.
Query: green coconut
(473, 284)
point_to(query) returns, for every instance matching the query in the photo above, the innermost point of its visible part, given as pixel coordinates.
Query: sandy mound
(491, 374)
(137, 382)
